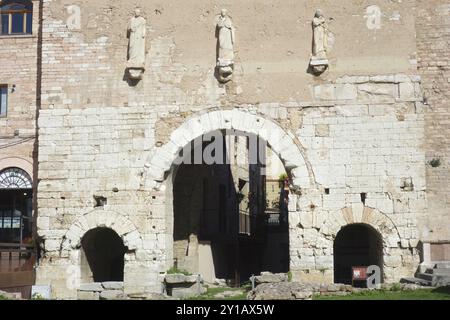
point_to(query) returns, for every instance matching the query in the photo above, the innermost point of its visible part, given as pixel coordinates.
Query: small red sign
(359, 273)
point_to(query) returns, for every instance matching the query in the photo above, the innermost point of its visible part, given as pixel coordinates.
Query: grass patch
(419, 294)
(210, 294)
(246, 286)
(3, 297)
(174, 270)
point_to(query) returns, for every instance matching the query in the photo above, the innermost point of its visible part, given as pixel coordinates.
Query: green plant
(175, 270)
(214, 293)
(436, 162)
(289, 274)
(247, 286)
(283, 177)
(37, 296)
(419, 294)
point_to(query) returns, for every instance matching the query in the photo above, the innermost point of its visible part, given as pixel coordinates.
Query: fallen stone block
(113, 285)
(95, 286)
(112, 295)
(267, 277)
(180, 278)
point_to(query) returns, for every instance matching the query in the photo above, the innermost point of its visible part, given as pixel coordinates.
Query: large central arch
(161, 169)
(282, 142)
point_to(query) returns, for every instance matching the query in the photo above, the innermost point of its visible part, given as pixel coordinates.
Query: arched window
(16, 17)
(15, 178)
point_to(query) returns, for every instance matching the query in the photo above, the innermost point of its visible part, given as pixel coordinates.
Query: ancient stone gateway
(355, 138)
(161, 174)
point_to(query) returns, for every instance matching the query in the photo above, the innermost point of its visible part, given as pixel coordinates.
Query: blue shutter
(3, 100)
(4, 24)
(17, 23)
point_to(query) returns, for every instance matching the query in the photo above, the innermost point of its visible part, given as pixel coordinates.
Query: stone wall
(433, 39)
(367, 145)
(357, 129)
(85, 67)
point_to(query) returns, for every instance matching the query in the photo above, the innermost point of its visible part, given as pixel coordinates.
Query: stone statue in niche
(226, 37)
(319, 61)
(136, 48)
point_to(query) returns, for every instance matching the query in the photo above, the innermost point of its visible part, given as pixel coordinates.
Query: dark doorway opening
(16, 216)
(104, 252)
(231, 215)
(356, 245)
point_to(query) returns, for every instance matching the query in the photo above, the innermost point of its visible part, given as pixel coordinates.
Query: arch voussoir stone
(124, 228)
(161, 159)
(366, 215)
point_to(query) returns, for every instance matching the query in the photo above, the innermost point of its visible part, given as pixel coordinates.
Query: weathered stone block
(378, 92)
(112, 295)
(95, 286)
(322, 130)
(407, 91)
(180, 278)
(324, 92)
(268, 277)
(346, 92)
(187, 291)
(113, 285)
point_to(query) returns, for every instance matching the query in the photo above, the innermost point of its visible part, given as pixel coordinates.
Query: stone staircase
(438, 275)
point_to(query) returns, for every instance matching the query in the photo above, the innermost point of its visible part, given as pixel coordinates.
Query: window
(3, 100)
(16, 17)
(16, 223)
(15, 178)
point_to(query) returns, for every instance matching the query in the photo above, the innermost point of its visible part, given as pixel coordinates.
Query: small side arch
(359, 214)
(124, 228)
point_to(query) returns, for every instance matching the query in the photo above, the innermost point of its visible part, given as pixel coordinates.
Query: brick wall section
(18, 61)
(433, 42)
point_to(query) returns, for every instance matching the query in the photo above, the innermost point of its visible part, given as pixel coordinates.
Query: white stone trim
(282, 143)
(99, 218)
(14, 162)
(358, 213)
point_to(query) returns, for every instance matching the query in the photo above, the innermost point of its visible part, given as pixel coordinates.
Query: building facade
(353, 98)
